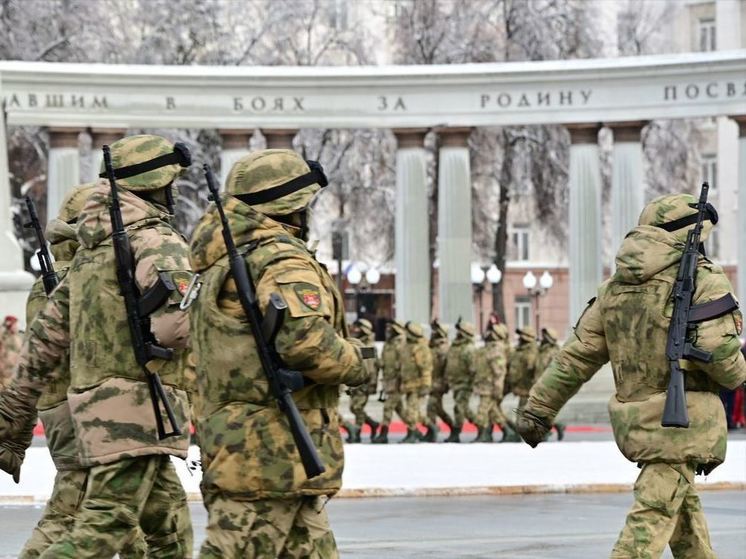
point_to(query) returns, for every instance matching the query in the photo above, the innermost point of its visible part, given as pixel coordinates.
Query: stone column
(14, 281)
(585, 240)
(63, 167)
(627, 183)
(741, 187)
(412, 227)
(235, 146)
(454, 226)
(101, 137)
(279, 138)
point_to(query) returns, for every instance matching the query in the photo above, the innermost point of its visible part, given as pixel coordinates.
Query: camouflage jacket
(522, 367)
(460, 364)
(547, 351)
(491, 366)
(371, 365)
(247, 447)
(53, 408)
(391, 363)
(439, 351)
(416, 366)
(627, 324)
(10, 347)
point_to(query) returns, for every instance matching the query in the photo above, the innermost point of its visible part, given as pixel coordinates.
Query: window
(522, 312)
(519, 243)
(707, 40)
(338, 15)
(709, 173)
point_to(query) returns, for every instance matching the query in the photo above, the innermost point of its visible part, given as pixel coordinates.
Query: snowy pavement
(442, 469)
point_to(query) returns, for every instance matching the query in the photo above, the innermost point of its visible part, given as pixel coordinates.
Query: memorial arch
(583, 95)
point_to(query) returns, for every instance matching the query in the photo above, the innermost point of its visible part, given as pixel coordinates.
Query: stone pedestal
(454, 227)
(101, 137)
(279, 138)
(741, 235)
(412, 226)
(627, 182)
(14, 281)
(235, 146)
(585, 241)
(63, 166)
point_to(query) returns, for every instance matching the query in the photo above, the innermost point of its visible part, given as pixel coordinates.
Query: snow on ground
(440, 469)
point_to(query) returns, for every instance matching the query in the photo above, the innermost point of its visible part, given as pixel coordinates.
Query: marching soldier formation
(242, 333)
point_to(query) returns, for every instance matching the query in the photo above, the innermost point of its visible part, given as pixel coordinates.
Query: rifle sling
(712, 309)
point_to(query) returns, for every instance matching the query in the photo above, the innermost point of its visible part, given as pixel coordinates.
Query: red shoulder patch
(310, 298)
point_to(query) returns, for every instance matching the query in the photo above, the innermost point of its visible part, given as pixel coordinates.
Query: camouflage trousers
(436, 410)
(489, 412)
(412, 409)
(667, 511)
(118, 497)
(358, 399)
(461, 411)
(268, 529)
(58, 518)
(392, 404)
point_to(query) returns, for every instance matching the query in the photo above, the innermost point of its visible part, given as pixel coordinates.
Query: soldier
(131, 479)
(435, 409)
(489, 380)
(259, 501)
(363, 330)
(522, 364)
(416, 378)
(627, 324)
(460, 375)
(10, 347)
(391, 367)
(548, 348)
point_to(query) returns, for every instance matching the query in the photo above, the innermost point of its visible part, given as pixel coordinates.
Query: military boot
(431, 436)
(509, 435)
(487, 434)
(478, 438)
(560, 427)
(411, 437)
(373, 424)
(353, 432)
(383, 436)
(454, 436)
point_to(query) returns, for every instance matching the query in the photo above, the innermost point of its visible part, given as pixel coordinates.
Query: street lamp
(477, 278)
(545, 283)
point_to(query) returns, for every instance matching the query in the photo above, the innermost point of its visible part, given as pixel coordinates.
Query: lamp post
(359, 281)
(477, 278)
(545, 283)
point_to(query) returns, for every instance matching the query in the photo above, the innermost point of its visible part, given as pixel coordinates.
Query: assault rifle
(282, 381)
(143, 342)
(685, 317)
(48, 275)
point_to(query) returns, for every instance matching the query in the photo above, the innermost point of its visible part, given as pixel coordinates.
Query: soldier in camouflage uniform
(548, 348)
(70, 482)
(259, 501)
(416, 378)
(131, 479)
(489, 380)
(522, 364)
(363, 330)
(627, 324)
(391, 367)
(460, 369)
(435, 409)
(10, 347)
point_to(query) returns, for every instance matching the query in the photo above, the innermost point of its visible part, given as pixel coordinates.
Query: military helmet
(275, 181)
(491, 332)
(527, 334)
(147, 162)
(466, 328)
(438, 330)
(414, 330)
(364, 325)
(677, 214)
(396, 326)
(549, 334)
(74, 201)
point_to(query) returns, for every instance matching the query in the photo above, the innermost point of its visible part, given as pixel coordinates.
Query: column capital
(410, 137)
(583, 133)
(235, 138)
(106, 136)
(62, 137)
(279, 138)
(456, 137)
(627, 131)
(741, 121)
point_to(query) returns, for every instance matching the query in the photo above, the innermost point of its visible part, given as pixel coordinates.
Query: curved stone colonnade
(622, 93)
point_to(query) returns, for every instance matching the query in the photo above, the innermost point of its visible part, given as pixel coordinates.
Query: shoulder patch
(309, 295)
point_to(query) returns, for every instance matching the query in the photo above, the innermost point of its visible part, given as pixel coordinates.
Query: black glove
(532, 429)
